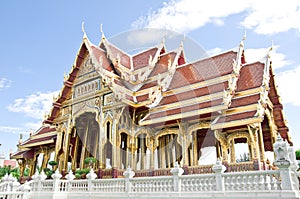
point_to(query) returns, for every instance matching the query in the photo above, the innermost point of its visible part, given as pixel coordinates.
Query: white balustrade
(152, 184)
(78, 186)
(46, 185)
(198, 183)
(277, 183)
(4, 186)
(109, 185)
(252, 180)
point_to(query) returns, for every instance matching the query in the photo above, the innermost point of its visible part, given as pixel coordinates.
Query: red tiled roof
(203, 70)
(251, 76)
(11, 163)
(98, 53)
(238, 116)
(184, 109)
(194, 93)
(142, 59)
(124, 58)
(162, 65)
(243, 101)
(23, 154)
(45, 129)
(42, 134)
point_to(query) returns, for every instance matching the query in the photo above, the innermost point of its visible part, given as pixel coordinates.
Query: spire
(102, 33)
(271, 48)
(243, 39)
(182, 41)
(20, 138)
(82, 28)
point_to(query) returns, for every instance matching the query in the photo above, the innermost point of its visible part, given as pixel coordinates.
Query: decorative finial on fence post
(70, 175)
(281, 152)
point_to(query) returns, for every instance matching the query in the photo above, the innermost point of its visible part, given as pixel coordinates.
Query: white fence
(281, 183)
(251, 184)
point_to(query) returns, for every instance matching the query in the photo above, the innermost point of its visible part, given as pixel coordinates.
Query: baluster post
(218, 168)
(282, 161)
(128, 174)
(177, 171)
(26, 190)
(91, 176)
(56, 178)
(70, 176)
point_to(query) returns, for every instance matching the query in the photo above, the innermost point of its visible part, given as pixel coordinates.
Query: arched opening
(123, 152)
(108, 147)
(39, 162)
(267, 135)
(168, 151)
(143, 154)
(205, 148)
(242, 150)
(267, 140)
(86, 142)
(108, 130)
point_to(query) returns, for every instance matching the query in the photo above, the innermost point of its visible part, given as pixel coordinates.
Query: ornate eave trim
(198, 85)
(37, 143)
(236, 123)
(146, 121)
(242, 109)
(47, 134)
(247, 93)
(193, 101)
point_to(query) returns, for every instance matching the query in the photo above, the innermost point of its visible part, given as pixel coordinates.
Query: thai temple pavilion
(152, 109)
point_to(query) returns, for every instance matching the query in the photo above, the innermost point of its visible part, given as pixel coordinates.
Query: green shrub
(298, 154)
(52, 163)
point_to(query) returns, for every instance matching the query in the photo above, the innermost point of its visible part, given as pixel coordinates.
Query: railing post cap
(219, 167)
(26, 186)
(177, 170)
(91, 175)
(56, 175)
(36, 175)
(42, 175)
(281, 148)
(70, 175)
(129, 173)
(15, 183)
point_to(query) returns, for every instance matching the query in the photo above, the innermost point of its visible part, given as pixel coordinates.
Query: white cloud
(278, 59)
(265, 17)
(4, 83)
(187, 15)
(144, 37)
(213, 51)
(33, 126)
(10, 129)
(270, 17)
(34, 105)
(287, 81)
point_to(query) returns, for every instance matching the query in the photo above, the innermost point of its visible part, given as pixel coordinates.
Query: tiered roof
(222, 87)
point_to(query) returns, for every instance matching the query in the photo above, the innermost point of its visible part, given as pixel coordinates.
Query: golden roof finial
(102, 33)
(183, 39)
(271, 48)
(245, 35)
(243, 39)
(20, 138)
(82, 28)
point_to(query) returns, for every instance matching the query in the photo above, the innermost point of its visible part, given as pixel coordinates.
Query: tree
(245, 157)
(90, 161)
(53, 163)
(8, 170)
(297, 154)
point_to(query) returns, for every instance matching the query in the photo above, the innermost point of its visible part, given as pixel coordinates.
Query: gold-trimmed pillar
(261, 143)
(232, 152)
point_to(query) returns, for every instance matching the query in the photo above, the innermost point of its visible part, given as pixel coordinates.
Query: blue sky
(40, 39)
